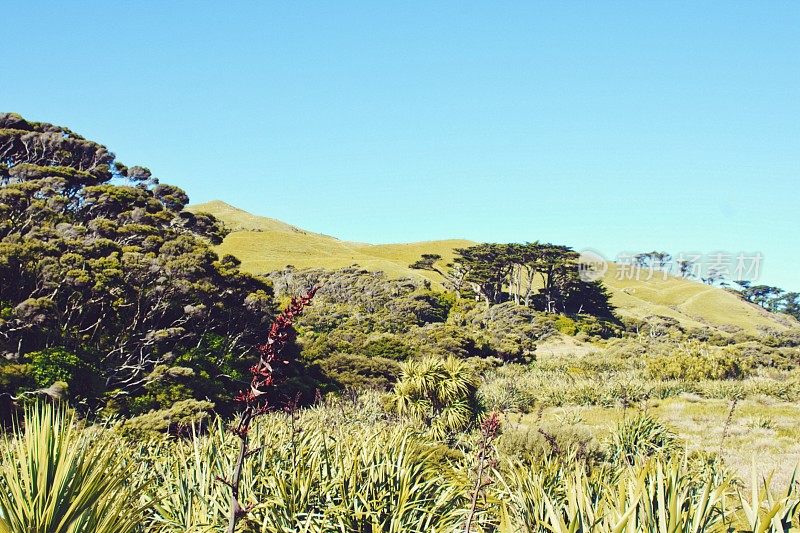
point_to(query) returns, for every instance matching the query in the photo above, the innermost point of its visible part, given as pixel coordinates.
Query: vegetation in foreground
(501, 404)
(346, 465)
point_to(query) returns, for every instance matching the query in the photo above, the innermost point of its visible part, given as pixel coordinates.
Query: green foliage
(179, 419)
(353, 371)
(101, 282)
(696, 367)
(566, 325)
(507, 389)
(350, 340)
(432, 306)
(440, 393)
(55, 364)
(509, 331)
(387, 346)
(641, 435)
(562, 442)
(204, 373)
(15, 376)
(57, 478)
(450, 340)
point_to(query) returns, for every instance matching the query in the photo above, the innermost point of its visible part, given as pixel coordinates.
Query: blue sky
(620, 126)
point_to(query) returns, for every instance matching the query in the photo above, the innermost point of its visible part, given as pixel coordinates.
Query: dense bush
(696, 367)
(353, 371)
(16, 376)
(181, 418)
(54, 364)
(387, 346)
(103, 274)
(557, 442)
(361, 321)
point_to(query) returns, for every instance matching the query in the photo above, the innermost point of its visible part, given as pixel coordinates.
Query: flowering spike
(280, 334)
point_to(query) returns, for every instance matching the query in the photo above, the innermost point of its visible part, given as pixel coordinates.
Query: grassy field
(577, 388)
(763, 432)
(264, 244)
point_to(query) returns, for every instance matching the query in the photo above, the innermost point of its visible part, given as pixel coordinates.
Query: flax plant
(57, 478)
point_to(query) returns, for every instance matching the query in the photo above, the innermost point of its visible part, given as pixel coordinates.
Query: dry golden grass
(763, 433)
(264, 244)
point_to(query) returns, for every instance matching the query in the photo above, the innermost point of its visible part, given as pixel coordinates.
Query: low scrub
(346, 466)
(695, 367)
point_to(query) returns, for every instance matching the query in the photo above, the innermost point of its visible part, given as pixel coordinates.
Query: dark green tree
(101, 262)
(543, 276)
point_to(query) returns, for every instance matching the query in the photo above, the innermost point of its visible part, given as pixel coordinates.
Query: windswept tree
(714, 276)
(771, 298)
(765, 296)
(685, 267)
(102, 267)
(487, 268)
(789, 303)
(654, 260)
(454, 275)
(540, 275)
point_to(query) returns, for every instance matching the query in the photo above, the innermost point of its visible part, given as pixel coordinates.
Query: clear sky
(620, 126)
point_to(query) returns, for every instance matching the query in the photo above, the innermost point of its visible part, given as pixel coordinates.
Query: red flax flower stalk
(490, 429)
(254, 404)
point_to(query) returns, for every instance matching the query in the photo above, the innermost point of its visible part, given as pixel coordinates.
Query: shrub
(14, 376)
(597, 327)
(54, 364)
(640, 436)
(448, 339)
(429, 306)
(695, 367)
(502, 391)
(178, 419)
(165, 387)
(440, 393)
(387, 346)
(358, 371)
(566, 325)
(550, 441)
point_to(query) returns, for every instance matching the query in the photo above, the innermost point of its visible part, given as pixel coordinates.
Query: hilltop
(265, 244)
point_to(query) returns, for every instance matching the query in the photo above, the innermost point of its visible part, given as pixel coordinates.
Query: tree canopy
(771, 298)
(102, 269)
(545, 277)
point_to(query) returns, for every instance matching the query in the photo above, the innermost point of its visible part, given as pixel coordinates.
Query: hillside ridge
(265, 244)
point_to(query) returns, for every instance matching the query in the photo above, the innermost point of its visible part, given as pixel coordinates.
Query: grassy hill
(264, 244)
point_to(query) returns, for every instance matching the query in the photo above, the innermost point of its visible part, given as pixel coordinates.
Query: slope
(264, 244)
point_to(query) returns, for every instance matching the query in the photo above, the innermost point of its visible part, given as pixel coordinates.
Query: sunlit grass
(264, 244)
